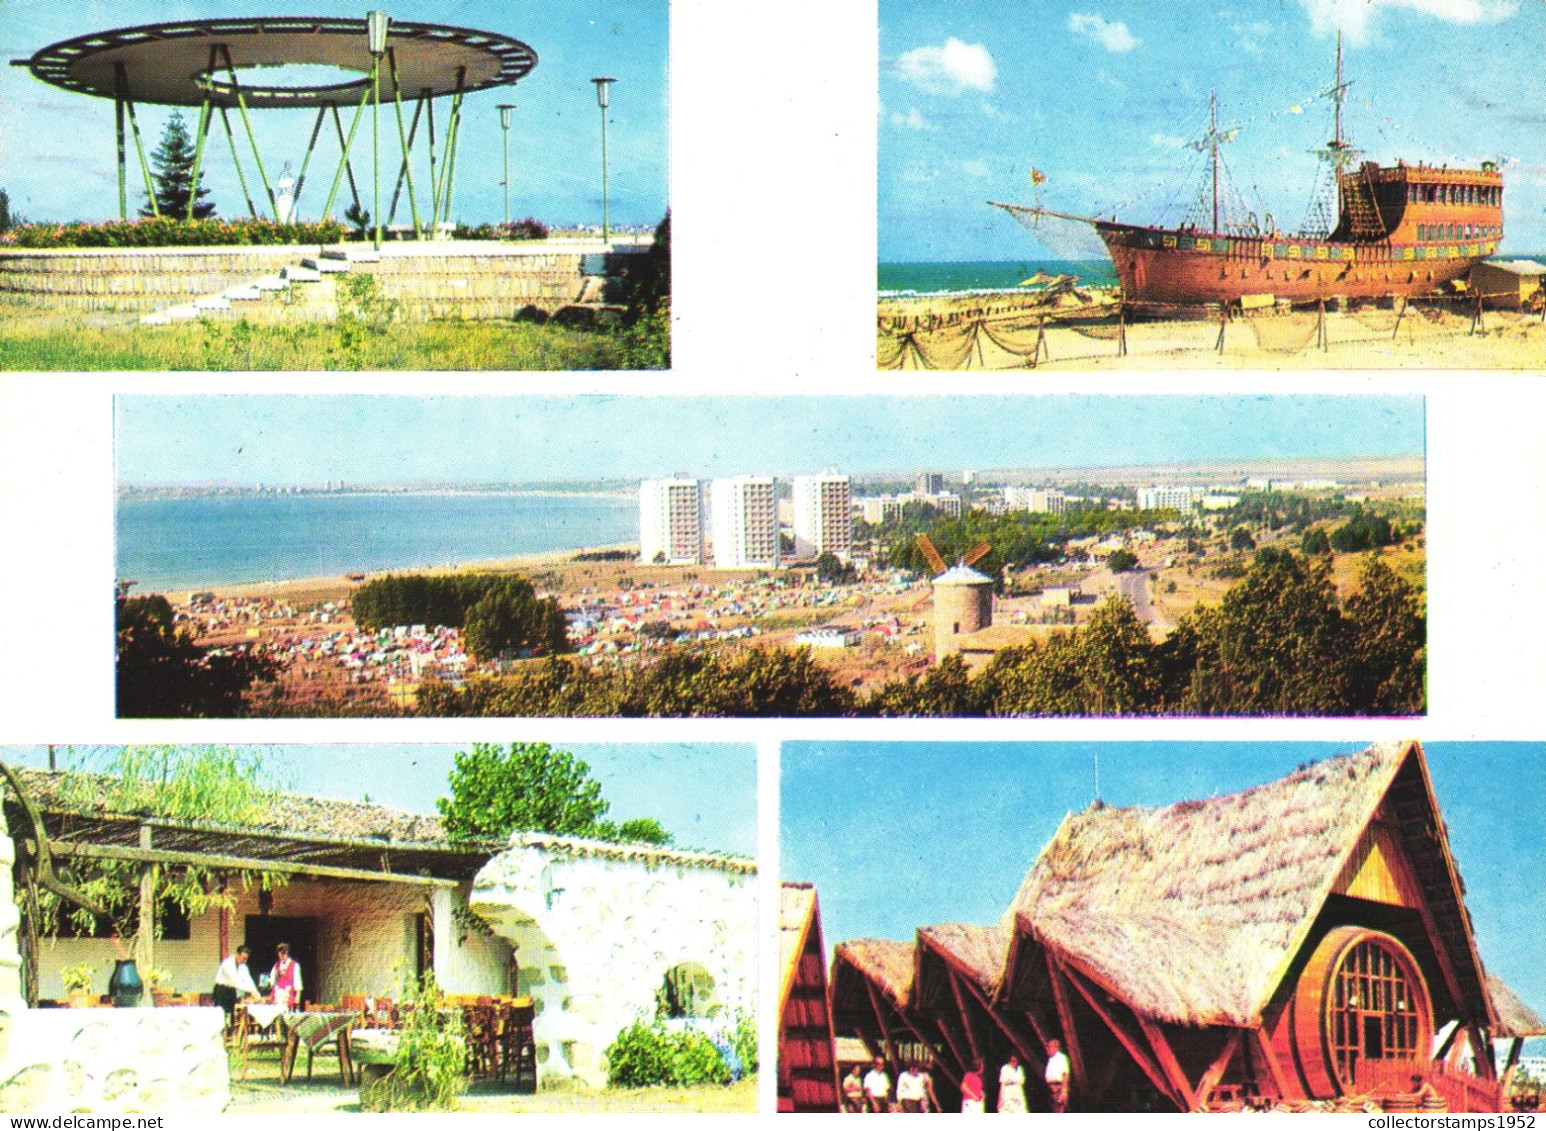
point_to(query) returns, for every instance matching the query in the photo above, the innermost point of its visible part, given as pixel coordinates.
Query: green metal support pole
(406, 139)
(241, 105)
(139, 148)
(404, 173)
(345, 145)
(375, 144)
(123, 161)
(344, 162)
(606, 212)
(434, 179)
(205, 118)
(300, 181)
(453, 131)
(230, 136)
(442, 195)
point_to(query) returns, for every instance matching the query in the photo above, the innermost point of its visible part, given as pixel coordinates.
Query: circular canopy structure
(186, 62)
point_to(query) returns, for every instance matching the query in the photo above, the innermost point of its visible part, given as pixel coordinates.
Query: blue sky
(901, 835)
(363, 439)
(57, 147)
(1102, 95)
(705, 795)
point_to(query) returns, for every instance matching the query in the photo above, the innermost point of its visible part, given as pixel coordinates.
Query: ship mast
(1213, 140)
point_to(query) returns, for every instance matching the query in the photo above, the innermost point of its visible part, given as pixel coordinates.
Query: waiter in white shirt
(233, 982)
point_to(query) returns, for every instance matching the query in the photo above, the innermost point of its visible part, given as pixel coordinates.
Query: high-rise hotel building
(823, 515)
(745, 522)
(671, 521)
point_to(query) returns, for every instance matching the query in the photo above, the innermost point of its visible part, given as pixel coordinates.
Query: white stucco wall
(110, 1061)
(367, 939)
(597, 926)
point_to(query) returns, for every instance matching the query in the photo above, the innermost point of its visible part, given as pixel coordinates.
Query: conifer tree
(173, 162)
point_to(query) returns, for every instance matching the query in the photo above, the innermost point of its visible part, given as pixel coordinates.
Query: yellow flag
(1038, 177)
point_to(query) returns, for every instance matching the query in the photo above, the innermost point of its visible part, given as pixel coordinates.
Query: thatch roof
(1193, 911)
(1515, 1018)
(886, 963)
(977, 952)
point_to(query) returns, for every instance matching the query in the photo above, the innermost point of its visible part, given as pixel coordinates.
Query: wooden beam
(1263, 1048)
(238, 863)
(1167, 1060)
(880, 1019)
(1016, 1040)
(1448, 1043)
(145, 936)
(950, 1041)
(966, 1020)
(1481, 1052)
(1215, 1073)
(1140, 1055)
(1039, 1029)
(1066, 1023)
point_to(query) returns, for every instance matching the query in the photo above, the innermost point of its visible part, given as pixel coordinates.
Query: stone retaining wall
(426, 281)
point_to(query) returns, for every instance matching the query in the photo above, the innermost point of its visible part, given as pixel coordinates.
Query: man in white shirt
(1057, 1076)
(877, 1087)
(910, 1090)
(233, 982)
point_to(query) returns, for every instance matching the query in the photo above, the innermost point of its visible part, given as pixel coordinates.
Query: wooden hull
(1165, 266)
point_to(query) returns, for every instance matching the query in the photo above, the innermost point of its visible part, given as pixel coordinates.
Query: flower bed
(166, 232)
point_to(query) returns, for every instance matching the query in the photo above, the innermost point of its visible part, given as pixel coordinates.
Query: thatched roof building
(1301, 941)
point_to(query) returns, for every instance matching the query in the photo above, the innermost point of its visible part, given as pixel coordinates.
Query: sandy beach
(1009, 331)
(305, 590)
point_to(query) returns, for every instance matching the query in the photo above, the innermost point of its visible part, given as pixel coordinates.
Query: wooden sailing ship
(1401, 230)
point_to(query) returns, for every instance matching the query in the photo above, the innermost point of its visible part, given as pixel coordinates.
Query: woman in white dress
(1011, 1087)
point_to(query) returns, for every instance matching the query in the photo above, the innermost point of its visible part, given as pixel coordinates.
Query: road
(1134, 585)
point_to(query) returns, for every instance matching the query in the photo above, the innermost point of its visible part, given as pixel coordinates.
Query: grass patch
(345, 345)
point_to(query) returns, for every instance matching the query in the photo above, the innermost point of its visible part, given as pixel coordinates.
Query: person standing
(909, 1090)
(1057, 1076)
(972, 1091)
(853, 1090)
(287, 979)
(877, 1088)
(1011, 1087)
(233, 983)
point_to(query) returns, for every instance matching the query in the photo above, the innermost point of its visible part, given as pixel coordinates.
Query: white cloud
(976, 168)
(1354, 17)
(1113, 36)
(913, 120)
(1166, 141)
(953, 68)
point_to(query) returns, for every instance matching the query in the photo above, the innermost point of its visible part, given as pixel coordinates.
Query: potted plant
(159, 981)
(77, 981)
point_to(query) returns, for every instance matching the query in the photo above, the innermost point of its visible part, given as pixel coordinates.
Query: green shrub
(648, 1054)
(164, 231)
(743, 1038)
(431, 1068)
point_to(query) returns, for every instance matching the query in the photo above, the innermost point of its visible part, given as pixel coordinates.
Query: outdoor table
(314, 1030)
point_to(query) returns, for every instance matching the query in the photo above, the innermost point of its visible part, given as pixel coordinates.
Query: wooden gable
(1378, 868)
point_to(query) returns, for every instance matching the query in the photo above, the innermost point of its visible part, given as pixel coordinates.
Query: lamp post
(504, 125)
(376, 25)
(604, 99)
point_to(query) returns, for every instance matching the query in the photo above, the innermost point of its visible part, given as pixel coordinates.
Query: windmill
(963, 598)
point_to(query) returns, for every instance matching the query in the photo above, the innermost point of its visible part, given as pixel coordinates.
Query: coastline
(331, 587)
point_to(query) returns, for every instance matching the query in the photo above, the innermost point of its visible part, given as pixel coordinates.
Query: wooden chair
(518, 1046)
(245, 1036)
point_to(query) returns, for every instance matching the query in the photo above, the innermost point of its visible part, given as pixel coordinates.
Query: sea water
(895, 279)
(204, 540)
